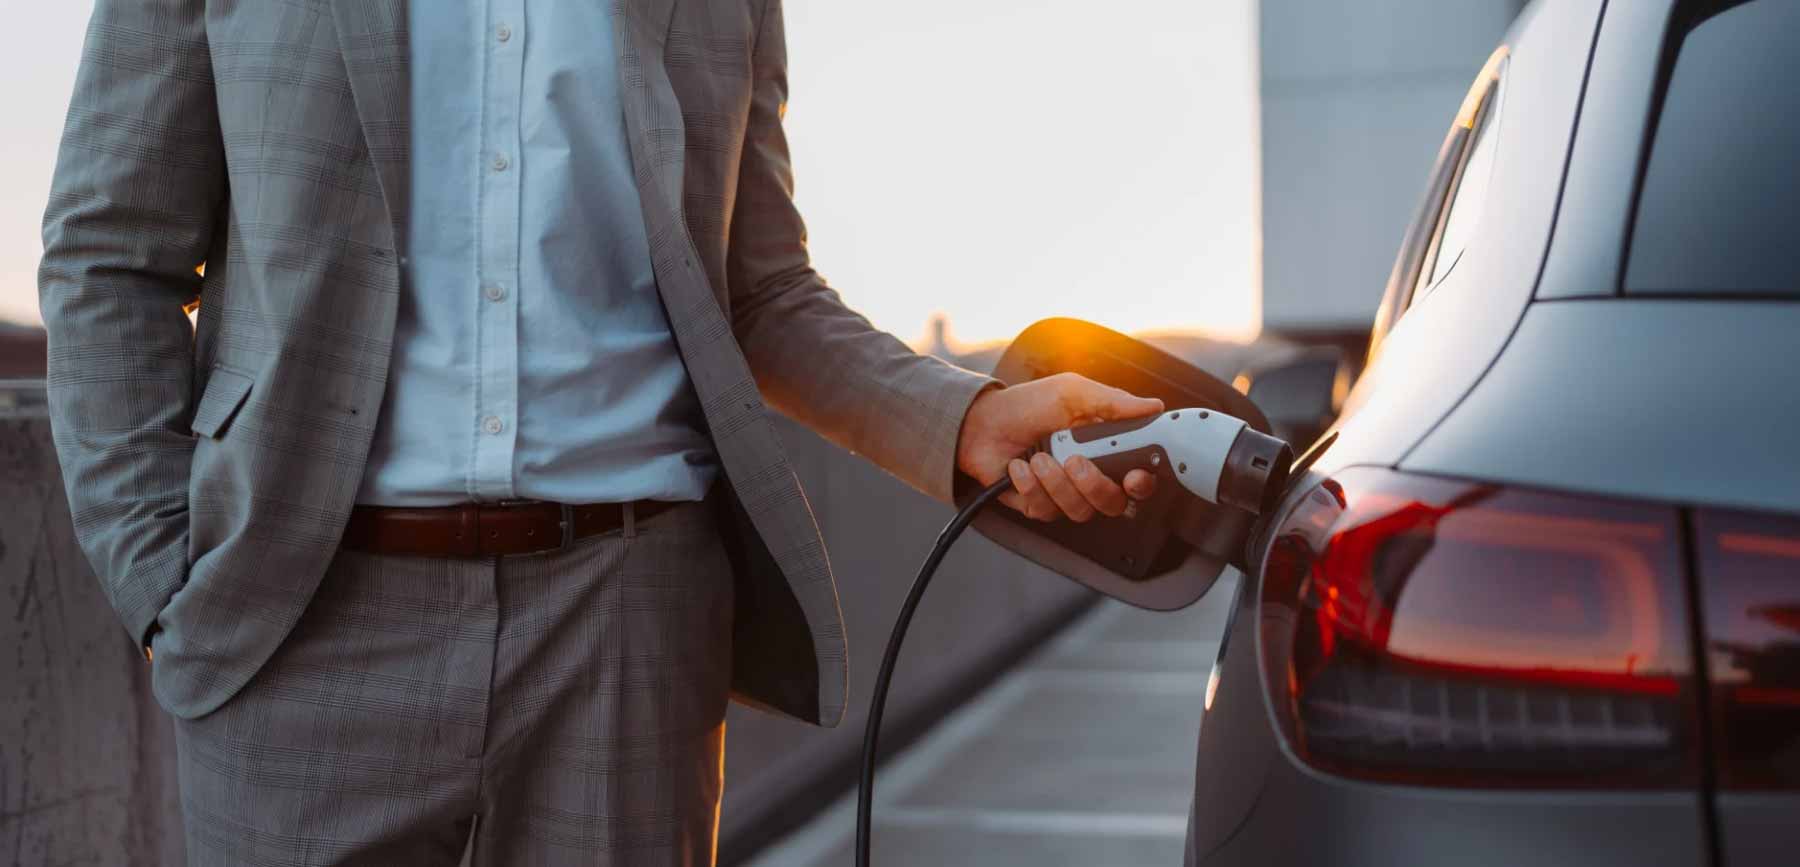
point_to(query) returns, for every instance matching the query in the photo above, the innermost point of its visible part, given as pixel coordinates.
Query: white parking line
(1152, 682)
(1039, 822)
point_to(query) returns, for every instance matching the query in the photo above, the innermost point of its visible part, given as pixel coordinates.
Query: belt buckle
(568, 525)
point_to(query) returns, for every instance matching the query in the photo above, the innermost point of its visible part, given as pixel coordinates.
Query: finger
(1032, 502)
(1069, 501)
(1014, 498)
(1084, 397)
(1140, 484)
(1102, 493)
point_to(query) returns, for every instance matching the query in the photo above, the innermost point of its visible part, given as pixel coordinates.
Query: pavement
(1082, 755)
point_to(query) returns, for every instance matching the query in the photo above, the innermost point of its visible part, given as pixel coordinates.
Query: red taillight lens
(1749, 578)
(1443, 632)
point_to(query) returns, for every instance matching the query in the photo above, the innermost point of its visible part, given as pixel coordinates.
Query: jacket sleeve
(814, 358)
(139, 185)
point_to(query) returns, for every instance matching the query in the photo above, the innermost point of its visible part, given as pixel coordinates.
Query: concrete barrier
(86, 758)
(87, 772)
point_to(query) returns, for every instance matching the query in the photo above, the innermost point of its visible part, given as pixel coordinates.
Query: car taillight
(1749, 579)
(1425, 630)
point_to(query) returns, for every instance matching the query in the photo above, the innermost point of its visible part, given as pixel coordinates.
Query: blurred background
(1230, 177)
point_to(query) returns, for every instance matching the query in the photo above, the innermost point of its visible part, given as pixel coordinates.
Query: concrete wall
(1356, 98)
(86, 758)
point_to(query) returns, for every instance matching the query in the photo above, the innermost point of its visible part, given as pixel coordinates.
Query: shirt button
(503, 32)
(494, 292)
(493, 425)
(501, 162)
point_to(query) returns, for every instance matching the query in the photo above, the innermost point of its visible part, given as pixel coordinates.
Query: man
(458, 517)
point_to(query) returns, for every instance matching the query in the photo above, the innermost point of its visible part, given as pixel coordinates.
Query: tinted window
(1720, 207)
(1471, 191)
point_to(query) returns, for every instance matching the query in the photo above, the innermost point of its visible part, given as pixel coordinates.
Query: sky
(998, 161)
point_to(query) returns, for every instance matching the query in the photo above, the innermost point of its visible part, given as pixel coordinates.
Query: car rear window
(1719, 211)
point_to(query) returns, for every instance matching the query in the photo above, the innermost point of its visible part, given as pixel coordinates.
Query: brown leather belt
(486, 529)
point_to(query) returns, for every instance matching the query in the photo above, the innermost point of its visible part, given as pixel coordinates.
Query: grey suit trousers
(563, 708)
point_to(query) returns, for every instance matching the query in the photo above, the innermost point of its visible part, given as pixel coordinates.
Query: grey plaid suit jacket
(211, 469)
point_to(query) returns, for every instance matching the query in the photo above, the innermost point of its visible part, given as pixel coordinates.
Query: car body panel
(1640, 399)
(1591, 225)
(1758, 828)
(1237, 742)
(1412, 381)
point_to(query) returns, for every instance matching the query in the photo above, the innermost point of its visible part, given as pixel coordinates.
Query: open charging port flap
(1169, 553)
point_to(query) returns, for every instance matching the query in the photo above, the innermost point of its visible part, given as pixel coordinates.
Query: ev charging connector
(1203, 454)
(1215, 457)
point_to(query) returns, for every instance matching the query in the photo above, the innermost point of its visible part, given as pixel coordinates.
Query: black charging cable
(865, 790)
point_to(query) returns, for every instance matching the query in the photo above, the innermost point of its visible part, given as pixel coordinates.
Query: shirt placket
(497, 253)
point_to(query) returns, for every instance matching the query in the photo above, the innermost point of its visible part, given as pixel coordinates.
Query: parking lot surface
(1082, 755)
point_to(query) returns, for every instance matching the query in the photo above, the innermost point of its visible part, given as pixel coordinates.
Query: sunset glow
(1004, 162)
(1000, 162)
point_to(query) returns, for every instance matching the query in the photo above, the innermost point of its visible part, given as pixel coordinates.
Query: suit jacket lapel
(373, 37)
(650, 18)
(652, 115)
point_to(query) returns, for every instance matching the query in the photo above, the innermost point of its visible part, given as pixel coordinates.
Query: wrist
(973, 423)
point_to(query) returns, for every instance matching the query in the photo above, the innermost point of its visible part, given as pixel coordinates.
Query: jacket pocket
(226, 391)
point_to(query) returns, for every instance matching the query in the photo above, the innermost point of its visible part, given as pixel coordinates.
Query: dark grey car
(1536, 597)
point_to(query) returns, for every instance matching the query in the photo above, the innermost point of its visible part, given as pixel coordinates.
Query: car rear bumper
(1256, 805)
(1302, 818)
(1759, 829)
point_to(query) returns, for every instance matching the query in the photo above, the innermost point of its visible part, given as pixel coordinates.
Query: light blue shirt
(532, 358)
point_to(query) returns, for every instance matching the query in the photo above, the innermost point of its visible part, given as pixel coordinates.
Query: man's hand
(1003, 424)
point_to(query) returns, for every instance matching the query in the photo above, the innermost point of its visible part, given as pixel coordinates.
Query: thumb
(1090, 399)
